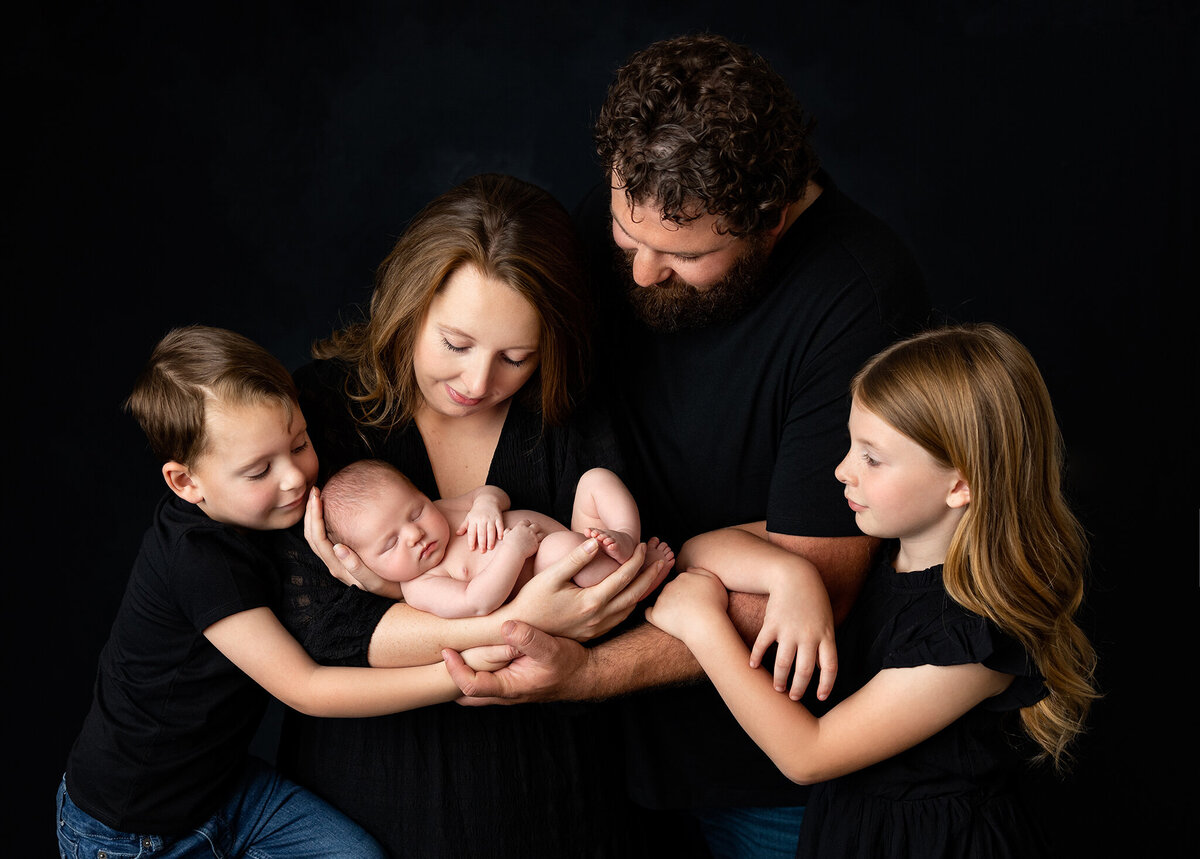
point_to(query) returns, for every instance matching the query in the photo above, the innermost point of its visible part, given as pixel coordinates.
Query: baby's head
(221, 414)
(394, 528)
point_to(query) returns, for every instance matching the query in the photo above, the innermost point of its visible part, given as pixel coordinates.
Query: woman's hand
(343, 563)
(554, 604)
(692, 599)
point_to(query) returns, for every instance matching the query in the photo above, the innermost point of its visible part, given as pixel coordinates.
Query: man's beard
(674, 304)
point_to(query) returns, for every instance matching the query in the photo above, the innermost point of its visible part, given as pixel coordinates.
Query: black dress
(447, 780)
(955, 794)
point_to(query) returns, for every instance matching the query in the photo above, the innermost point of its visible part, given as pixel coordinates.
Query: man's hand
(545, 669)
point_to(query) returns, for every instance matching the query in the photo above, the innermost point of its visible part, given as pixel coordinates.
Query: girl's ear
(179, 479)
(960, 493)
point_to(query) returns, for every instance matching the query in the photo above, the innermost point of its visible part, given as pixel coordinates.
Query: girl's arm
(257, 643)
(798, 615)
(897, 709)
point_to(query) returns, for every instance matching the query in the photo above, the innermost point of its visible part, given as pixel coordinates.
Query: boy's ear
(960, 494)
(179, 479)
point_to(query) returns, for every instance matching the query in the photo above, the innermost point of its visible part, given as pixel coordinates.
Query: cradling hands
(551, 601)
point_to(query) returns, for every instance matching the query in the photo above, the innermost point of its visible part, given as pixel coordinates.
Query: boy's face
(401, 533)
(258, 468)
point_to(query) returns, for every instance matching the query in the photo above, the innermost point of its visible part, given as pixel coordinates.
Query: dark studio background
(170, 163)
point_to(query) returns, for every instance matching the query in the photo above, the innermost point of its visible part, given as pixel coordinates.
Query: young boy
(464, 556)
(161, 763)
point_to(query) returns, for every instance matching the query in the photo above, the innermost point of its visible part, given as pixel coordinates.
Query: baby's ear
(179, 479)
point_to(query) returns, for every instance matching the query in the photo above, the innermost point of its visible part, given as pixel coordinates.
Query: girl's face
(477, 345)
(896, 489)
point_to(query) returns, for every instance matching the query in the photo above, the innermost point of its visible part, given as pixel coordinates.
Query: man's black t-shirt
(740, 422)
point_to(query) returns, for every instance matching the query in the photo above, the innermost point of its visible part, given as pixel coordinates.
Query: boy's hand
(489, 657)
(523, 537)
(483, 525)
(800, 620)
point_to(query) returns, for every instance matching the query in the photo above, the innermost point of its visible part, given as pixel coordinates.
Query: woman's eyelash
(452, 347)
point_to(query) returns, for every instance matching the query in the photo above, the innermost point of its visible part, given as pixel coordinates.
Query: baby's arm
(798, 614)
(485, 590)
(482, 510)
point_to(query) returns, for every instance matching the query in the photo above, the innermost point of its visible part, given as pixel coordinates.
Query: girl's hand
(688, 602)
(483, 525)
(343, 563)
(800, 619)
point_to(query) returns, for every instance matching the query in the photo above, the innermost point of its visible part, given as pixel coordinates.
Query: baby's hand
(800, 619)
(524, 537)
(483, 526)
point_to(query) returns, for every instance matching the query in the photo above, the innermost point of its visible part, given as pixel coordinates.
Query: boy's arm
(483, 592)
(256, 642)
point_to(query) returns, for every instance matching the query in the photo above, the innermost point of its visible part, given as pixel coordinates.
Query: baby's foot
(618, 545)
(657, 550)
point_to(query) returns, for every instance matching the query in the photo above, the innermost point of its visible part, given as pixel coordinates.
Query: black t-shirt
(172, 718)
(741, 422)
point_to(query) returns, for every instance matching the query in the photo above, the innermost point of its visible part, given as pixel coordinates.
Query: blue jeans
(751, 833)
(266, 816)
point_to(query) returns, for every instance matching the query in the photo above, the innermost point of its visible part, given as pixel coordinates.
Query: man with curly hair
(738, 292)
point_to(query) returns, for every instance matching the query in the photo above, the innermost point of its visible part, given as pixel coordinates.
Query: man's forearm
(645, 657)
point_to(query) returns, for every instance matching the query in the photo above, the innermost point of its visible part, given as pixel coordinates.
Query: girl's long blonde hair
(972, 396)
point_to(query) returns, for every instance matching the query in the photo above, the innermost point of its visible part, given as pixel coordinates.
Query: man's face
(684, 276)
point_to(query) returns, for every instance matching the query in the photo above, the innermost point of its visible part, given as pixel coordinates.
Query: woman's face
(477, 346)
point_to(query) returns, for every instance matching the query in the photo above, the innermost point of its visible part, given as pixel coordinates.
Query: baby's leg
(605, 509)
(554, 546)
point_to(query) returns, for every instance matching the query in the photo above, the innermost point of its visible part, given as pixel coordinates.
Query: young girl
(967, 620)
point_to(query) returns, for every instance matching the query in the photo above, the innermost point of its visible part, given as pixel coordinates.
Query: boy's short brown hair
(192, 366)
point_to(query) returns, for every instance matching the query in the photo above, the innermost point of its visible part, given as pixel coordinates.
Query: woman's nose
(477, 376)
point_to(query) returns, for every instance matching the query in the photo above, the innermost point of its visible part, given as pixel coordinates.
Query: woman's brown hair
(511, 231)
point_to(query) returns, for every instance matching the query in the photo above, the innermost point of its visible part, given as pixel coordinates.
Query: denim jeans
(751, 833)
(266, 816)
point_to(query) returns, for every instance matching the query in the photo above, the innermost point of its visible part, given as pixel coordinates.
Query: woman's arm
(897, 709)
(257, 643)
